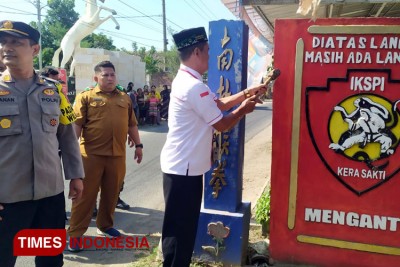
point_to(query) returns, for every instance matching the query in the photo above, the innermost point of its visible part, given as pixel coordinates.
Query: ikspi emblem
(354, 126)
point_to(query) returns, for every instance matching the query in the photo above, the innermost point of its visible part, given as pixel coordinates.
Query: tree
(152, 62)
(134, 47)
(142, 53)
(172, 62)
(62, 11)
(98, 41)
(60, 18)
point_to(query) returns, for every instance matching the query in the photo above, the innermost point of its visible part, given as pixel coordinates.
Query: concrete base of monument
(223, 236)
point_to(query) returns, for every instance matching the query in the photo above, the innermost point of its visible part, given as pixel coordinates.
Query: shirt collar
(191, 71)
(98, 90)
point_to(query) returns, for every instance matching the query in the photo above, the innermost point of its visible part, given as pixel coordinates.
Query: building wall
(128, 67)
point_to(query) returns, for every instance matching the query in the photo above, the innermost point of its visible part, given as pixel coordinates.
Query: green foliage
(152, 62)
(59, 19)
(263, 207)
(98, 41)
(134, 47)
(141, 53)
(62, 11)
(172, 62)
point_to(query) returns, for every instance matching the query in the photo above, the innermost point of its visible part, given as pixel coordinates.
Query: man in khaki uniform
(32, 130)
(104, 119)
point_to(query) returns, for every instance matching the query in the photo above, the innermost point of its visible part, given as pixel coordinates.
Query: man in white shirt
(194, 111)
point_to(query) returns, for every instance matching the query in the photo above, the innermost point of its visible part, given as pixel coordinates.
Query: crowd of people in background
(150, 105)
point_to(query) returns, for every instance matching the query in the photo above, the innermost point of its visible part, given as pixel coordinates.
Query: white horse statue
(82, 28)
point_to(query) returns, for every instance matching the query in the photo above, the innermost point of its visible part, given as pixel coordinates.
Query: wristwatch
(139, 145)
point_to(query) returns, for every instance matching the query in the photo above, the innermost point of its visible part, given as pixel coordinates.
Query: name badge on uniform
(5, 123)
(97, 99)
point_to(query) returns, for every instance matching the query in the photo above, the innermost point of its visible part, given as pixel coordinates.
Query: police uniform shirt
(105, 119)
(192, 112)
(30, 136)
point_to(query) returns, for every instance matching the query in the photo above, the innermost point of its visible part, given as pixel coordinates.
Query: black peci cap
(19, 29)
(190, 37)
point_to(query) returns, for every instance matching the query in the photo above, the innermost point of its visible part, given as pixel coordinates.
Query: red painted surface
(328, 181)
(63, 77)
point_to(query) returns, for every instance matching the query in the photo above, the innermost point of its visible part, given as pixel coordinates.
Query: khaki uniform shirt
(105, 119)
(30, 137)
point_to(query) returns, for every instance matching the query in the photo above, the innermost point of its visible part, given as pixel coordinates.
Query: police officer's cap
(190, 37)
(49, 70)
(19, 29)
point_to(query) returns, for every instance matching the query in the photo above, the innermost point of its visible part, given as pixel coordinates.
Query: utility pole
(39, 23)
(165, 34)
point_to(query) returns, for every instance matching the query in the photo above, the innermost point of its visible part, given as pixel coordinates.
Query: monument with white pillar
(129, 68)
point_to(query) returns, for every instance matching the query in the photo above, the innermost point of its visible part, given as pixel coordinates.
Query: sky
(140, 20)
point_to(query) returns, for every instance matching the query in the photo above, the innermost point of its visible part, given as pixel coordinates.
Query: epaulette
(120, 88)
(51, 81)
(88, 88)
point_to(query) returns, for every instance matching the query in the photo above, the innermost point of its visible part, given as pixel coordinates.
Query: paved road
(143, 191)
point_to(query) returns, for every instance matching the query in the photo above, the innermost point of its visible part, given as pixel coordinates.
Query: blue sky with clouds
(140, 20)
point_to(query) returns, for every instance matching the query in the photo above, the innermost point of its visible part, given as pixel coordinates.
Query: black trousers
(182, 195)
(33, 214)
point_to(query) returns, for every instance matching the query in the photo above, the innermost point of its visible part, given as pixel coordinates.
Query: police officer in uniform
(194, 111)
(31, 179)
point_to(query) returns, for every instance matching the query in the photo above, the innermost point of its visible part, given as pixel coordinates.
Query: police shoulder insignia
(7, 78)
(48, 80)
(48, 91)
(4, 92)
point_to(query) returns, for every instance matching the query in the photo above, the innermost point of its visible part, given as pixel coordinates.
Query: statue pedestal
(128, 68)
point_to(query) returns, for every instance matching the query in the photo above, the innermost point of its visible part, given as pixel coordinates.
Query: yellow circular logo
(365, 127)
(5, 123)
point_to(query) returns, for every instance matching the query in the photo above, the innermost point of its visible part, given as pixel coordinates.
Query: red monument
(336, 131)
